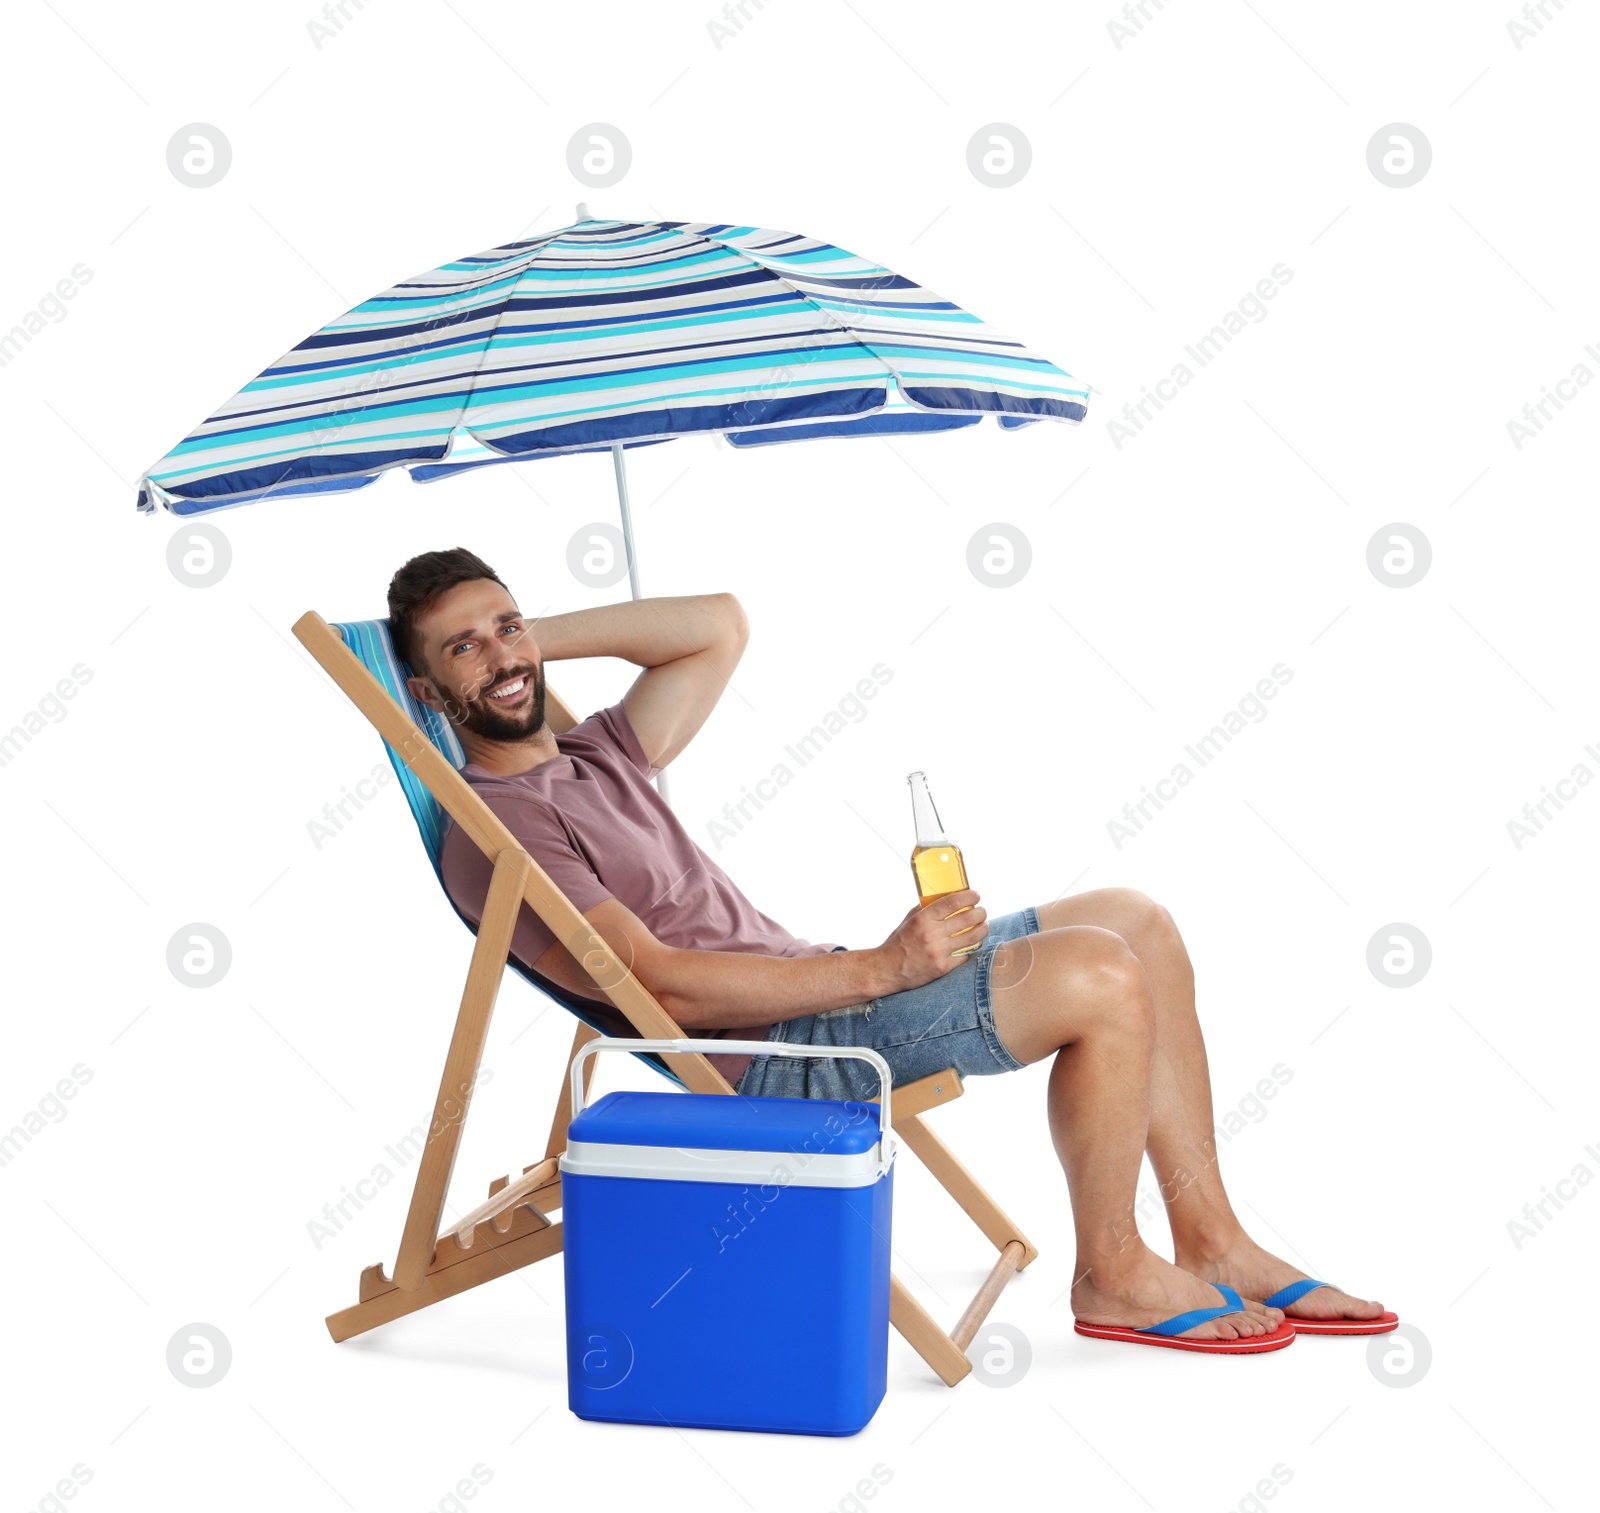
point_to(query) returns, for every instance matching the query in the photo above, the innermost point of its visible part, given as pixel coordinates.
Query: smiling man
(1099, 984)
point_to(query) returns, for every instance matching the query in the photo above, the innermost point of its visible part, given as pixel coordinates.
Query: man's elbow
(664, 975)
(685, 1011)
(738, 621)
(685, 1015)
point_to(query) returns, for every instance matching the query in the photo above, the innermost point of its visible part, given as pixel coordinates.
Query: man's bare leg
(1081, 996)
(1208, 1239)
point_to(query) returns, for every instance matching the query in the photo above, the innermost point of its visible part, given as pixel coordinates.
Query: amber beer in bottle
(935, 860)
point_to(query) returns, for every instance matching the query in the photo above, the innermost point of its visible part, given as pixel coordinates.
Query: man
(1099, 982)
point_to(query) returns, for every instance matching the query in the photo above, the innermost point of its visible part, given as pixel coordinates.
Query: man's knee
(1101, 983)
(1140, 918)
(1121, 982)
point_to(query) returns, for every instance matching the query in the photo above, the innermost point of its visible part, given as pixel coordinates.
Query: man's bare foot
(1140, 1289)
(1256, 1273)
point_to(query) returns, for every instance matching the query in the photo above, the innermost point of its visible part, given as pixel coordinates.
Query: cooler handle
(741, 1048)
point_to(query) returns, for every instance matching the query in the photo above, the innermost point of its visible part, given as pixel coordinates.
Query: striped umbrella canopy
(600, 336)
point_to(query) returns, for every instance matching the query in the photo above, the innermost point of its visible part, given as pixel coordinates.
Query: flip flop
(1284, 1296)
(1165, 1333)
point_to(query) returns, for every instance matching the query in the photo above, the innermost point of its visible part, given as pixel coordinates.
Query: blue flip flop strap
(1184, 1321)
(1284, 1296)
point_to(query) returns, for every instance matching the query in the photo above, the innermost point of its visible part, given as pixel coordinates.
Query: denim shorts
(948, 1022)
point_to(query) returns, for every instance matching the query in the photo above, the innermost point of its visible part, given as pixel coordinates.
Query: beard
(481, 715)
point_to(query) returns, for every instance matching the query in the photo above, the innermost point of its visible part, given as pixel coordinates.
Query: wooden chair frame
(511, 1228)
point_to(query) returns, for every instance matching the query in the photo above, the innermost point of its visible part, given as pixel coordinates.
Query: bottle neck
(925, 817)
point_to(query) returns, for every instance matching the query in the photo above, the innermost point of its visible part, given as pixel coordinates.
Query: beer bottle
(935, 860)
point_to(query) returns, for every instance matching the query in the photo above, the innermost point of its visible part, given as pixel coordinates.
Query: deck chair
(512, 1227)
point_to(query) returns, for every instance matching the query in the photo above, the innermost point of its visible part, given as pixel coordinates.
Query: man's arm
(688, 645)
(724, 989)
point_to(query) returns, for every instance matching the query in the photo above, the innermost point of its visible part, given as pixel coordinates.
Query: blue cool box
(727, 1262)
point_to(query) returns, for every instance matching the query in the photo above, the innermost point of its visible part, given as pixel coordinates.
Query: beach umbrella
(602, 336)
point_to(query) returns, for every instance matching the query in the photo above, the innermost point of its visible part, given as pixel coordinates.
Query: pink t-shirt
(594, 821)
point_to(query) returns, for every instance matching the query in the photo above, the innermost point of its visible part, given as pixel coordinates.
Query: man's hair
(419, 585)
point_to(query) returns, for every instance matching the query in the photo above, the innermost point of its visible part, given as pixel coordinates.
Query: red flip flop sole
(1281, 1336)
(1383, 1324)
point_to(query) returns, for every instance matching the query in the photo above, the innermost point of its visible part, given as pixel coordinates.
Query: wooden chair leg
(964, 1187)
(438, 1160)
(946, 1353)
(494, 1255)
(563, 1115)
(924, 1336)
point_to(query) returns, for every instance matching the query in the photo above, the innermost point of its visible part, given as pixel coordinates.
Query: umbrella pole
(619, 464)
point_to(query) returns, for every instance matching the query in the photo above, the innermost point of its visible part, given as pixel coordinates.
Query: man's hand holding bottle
(933, 939)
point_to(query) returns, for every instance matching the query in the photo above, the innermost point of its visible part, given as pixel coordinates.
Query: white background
(1168, 575)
